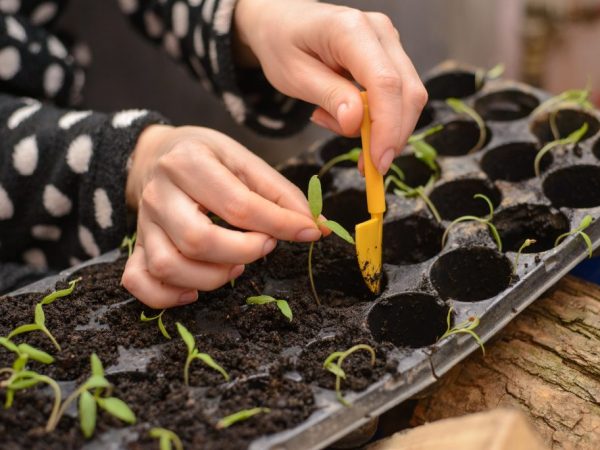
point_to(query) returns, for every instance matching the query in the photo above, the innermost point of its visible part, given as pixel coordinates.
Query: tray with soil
(496, 197)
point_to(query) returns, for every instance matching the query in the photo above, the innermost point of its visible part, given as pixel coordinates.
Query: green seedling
(572, 138)
(526, 243)
(315, 203)
(158, 318)
(50, 298)
(167, 439)
(193, 354)
(424, 151)
(38, 325)
(240, 416)
(404, 190)
(283, 306)
(578, 98)
(465, 327)
(353, 156)
(481, 75)
(333, 363)
(129, 242)
(94, 393)
(461, 107)
(487, 220)
(585, 222)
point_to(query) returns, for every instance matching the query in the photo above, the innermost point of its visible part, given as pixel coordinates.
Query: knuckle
(330, 97)
(237, 210)
(194, 242)
(382, 21)
(352, 18)
(419, 96)
(389, 81)
(160, 265)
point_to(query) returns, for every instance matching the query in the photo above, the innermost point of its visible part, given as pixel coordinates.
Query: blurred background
(548, 43)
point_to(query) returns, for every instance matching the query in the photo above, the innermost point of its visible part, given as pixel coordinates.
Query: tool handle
(374, 180)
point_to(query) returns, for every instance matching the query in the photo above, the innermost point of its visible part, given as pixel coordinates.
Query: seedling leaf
(158, 318)
(285, 309)
(39, 316)
(335, 367)
(50, 298)
(260, 300)
(210, 362)
(35, 354)
(117, 408)
(572, 138)
(461, 107)
(167, 438)
(351, 155)
(9, 345)
(315, 198)
(526, 243)
(585, 222)
(23, 329)
(187, 337)
(239, 416)
(95, 382)
(129, 242)
(87, 414)
(465, 327)
(339, 230)
(96, 364)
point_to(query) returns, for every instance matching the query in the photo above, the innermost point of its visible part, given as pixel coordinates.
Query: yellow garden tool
(369, 234)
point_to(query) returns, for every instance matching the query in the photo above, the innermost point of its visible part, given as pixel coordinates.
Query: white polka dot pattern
(79, 153)
(7, 209)
(25, 156)
(71, 118)
(126, 118)
(102, 208)
(56, 203)
(87, 241)
(15, 29)
(35, 258)
(22, 114)
(53, 79)
(44, 13)
(46, 232)
(10, 62)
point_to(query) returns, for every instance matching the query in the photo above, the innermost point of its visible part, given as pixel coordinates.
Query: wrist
(244, 23)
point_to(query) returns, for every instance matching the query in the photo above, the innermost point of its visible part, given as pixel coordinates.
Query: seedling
(353, 156)
(193, 354)
(585, 222)
(158, 318)
(88, 403)
(283, 306)
(465, 327)
(315, 203)
(481, 75)
(526, 243)
(240, 416)
(129, 242)
(38, 325)
(404, 190)
(50, 298)
(461, 107)
(487, 220)
(572, 138)
(334, 362)
(167, 439)
(425, 151)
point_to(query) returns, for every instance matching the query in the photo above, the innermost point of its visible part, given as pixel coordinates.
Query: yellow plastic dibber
(369, 234)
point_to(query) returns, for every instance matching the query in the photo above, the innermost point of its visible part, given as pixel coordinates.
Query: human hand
(313, 51)
(180, 174)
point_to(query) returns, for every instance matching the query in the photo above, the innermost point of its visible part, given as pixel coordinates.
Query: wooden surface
(545, 363)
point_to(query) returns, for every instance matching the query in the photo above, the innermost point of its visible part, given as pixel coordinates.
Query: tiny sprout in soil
(240, 416)
(461, 107)
(487, 220)
(526, 243)
(585, 222)
(315, 203)
(465, 327)
(404, 190)
(167, 439)
(572, 138)
(158, 318)
(50, 298)
(193, 354)
(129, 242)
(333, 363)
(424, 151)
(569, 98)
(481, 75)
(283, 306)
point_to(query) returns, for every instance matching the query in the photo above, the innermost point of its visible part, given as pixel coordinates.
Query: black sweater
(63, 171)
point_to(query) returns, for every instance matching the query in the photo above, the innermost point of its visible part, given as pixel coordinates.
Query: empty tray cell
(411, 319)
(567, 121)
(457, 138)
(416, 172)
(513, 162)
(471, 274)
(510, 104)
(574, 187)
(521, 222)
(300, 174)
(411, 240)
(338, 146)
(347, 208)
(458, 84)
(426, 118)
(455, 198)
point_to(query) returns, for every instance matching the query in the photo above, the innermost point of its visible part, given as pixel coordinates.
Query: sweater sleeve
(62, 180)
(198, 33)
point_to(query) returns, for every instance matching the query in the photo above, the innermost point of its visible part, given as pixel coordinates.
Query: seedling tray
(278, 364)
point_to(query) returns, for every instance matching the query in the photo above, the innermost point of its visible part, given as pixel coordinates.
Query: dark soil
(411, 240)
(426, 118)
(510, 104)
(455, 198)
(574, 187)
(567, 120)
(457, 138)
(458, 84)
(348, 208)
(339, 146)
(513, 162)
(300, 175)
(416, 172)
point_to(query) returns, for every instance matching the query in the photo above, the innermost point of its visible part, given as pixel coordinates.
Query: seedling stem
(283, 306)
(158, 318)
(129, 242)
(585, 222)
(167, 438)
(461, 107)
(526, 243)
(333, 363)
(465, 327)
(572, 138)
(193, 354)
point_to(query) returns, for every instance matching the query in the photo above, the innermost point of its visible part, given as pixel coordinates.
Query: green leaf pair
(572, 138)
(333, 363)
(283, 306)
(585, 222)
(240, 416)
(158, 318)
(465, 327)
(193, 354)
(167, 439)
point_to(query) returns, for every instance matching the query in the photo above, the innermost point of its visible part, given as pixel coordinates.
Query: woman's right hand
(179, 175)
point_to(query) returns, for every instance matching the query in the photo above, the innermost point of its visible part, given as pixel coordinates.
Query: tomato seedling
(333, 363)
(461, 107)
(572, 138)
(158, 318)
(167, 439)
(129, 242)
(526, 243)
(193, 354)
(465, 327)
(240, 416)
(585, 222)
(283, 306)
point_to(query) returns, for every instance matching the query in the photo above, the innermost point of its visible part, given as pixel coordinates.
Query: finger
(165, 263)
(193, 233)
(149, 290)
(325, 120)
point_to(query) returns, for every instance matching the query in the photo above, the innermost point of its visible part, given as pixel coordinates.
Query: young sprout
(283, 306)
(572, 97)
(193, 354)
(129, 242)
(167, 439)
(526, 243)
(38, 325)
(461, 107)
(333, 363)
(404, 190)
(585, 222)
(315, 203)
(425, 151)
(487, 220)
(88, 403)
(50, 298)
(572, 138)
(481, 75)
(240, 416)
(158, 318)
(353, 156)
(465, 327)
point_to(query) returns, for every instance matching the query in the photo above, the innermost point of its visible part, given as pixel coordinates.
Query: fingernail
(308, 234)
(269, 246)
(188, 297)
(236, 271)
(340, 112)
(386, 161)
